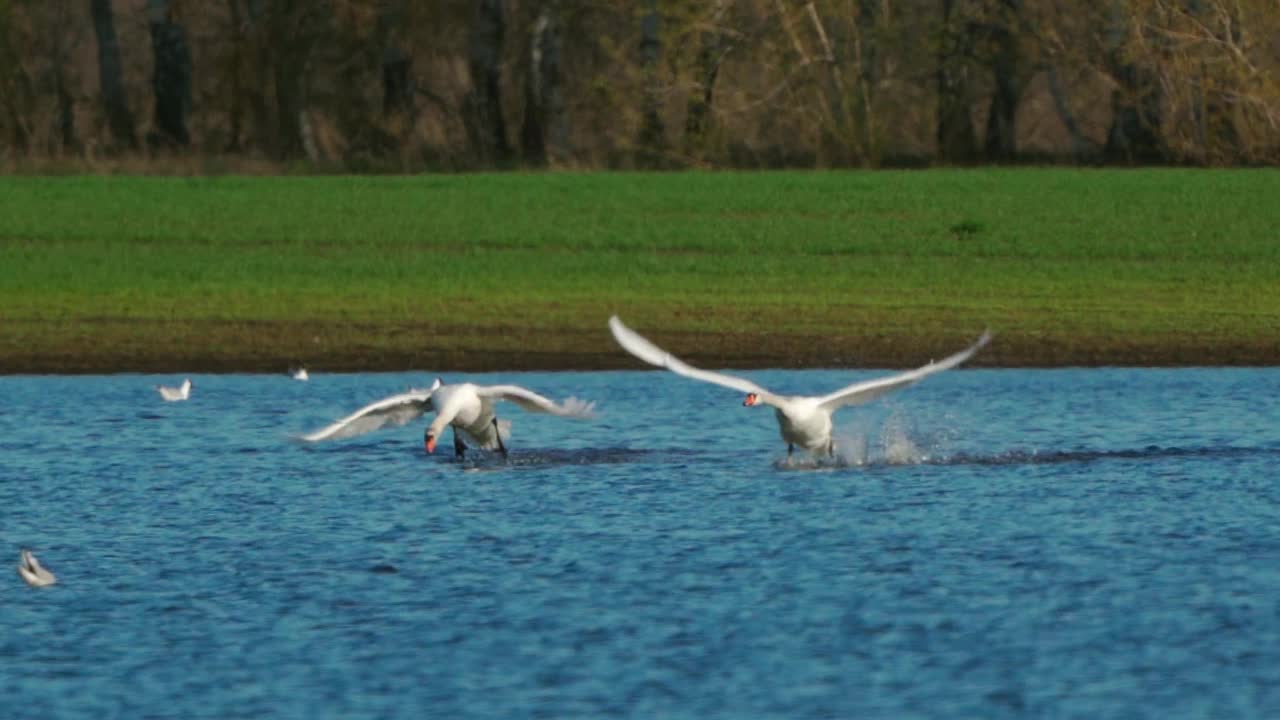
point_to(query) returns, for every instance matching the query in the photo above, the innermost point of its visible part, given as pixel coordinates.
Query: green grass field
(517, 271)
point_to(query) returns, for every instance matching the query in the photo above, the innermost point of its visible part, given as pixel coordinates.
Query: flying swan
(173, 394)
(468, 408)
(804, 421)
(33, 572)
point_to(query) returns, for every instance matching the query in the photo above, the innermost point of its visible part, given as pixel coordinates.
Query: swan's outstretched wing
(387, 412)
(633, 343)
(533, 402)
(869, 390)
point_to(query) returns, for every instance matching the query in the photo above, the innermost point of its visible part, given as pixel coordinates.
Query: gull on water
(173, 394)
(33, 572)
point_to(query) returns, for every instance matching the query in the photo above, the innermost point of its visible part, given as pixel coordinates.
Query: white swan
(299, 374)
(804, 421)
(468, 408)
(33, 572)
(173, 394)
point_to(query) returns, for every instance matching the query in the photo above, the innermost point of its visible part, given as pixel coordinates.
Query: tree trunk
(486, 128)
(1002, 134)
(16, 93)
(711, 53)
(868, 51)
(171, 78)
(296, 27)
(235, 103)
(1135, 107)
(652, 139)
(397, 65)
(1135, 103)
(544, 135)
(1080, 148)
(956, 141)
(111, 75)
(66, 117)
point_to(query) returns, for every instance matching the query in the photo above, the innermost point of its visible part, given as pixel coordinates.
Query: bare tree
(652, 139)
(713, 47)
(111, 75)
(955, 131)
(1136, 101)
(397, 64)
(171, 74)
(544, 133)
(486, 126)
(1213, 63)
(1009, 70)
(16, 94)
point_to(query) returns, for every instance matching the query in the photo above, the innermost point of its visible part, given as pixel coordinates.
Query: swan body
(468, 408)
(804, 421)
(299, 374)
(174, 394)
(35, 574)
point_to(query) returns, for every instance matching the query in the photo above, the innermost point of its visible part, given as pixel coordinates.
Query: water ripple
(988, 544)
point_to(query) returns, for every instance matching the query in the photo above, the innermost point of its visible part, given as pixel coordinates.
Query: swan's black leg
(459, 447)
(831, 448)
(790, 449)
(498, 433)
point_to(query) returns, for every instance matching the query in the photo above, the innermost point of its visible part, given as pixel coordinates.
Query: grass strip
(521, 271)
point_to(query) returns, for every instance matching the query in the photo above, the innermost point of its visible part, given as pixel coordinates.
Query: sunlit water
(989, 543)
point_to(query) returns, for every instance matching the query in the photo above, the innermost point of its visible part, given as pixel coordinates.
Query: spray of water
(891, 440)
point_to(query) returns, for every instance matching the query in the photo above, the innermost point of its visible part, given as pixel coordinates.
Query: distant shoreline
(727, 351)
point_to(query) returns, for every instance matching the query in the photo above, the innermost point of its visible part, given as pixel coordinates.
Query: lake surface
(992, 543)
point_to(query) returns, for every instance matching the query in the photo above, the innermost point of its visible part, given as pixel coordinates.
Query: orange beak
(752, 399)
(431, 444)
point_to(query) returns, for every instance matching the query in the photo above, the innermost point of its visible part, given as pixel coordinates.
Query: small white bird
(804, 421)
(299, 374)
(33, 572)
(173, 394)
(467, 408)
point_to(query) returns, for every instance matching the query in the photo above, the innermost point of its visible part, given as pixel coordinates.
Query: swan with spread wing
(805, 421)
(468, 408)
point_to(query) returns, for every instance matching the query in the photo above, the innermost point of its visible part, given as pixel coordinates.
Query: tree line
(369, 85)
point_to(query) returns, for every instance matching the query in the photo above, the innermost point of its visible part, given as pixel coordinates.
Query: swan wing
(533, 402)
(388, 412)
(869, 390)
(632, 342)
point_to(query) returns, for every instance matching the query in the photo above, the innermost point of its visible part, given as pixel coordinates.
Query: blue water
(991, 543)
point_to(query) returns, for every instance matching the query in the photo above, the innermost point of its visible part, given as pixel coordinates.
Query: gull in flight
(467, 408)
(805, 421)
(33, 572)
(172, 394)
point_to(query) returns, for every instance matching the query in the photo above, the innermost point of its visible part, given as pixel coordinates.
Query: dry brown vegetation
(397, 85)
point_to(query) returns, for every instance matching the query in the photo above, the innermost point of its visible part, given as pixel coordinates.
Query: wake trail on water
(897, 442)
(902, 450)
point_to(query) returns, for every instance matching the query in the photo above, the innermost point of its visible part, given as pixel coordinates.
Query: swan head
(429, 441)
(752, 399)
